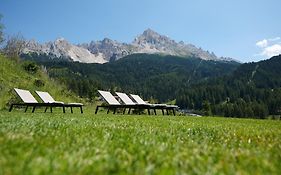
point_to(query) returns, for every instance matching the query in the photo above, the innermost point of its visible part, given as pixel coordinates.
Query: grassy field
(44, 143)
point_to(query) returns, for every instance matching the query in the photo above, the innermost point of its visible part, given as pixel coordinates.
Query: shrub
(39, 83)
(30, 67)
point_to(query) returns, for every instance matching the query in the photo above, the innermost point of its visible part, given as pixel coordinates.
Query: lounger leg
(129, 111)
(51, 109)
(155, 111)
(114, 111)
(97, 110)
(26, 109)
(124, 110)
(174, 112)
(108, 110)
(33, 109)
(163, 112)
(167, 111)
(63, 109)
(148, 110)
(11, 108)
(81, 109)
(46, 109)
(71, 109)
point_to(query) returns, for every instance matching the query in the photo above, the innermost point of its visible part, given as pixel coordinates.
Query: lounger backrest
(45, 96)
(124, 97)
(26, 96)
(138, 99)
(109, 98)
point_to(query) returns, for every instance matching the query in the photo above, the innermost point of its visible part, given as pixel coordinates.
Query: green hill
(262, 74)
(152, 76)
(208, 87)
(29, 76)
(252, 90)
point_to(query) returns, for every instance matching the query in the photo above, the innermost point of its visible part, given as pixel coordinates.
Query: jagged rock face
(153, 39)
(152, 42)
(64, 50)
(149, 42)
(109, 50)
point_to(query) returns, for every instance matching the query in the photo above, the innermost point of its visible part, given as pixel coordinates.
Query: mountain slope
(153, 76)
(252, 90)
(27, 75)
(152, 42)
(210, 87)
(149, 42)
(61, 49)
(263, 74)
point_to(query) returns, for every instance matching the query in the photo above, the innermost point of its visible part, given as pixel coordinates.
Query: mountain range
(149, 42)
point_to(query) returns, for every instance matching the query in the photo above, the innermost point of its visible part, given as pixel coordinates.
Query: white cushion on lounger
(109, 98)
(138, 99)
(26, 96)
(124, 97)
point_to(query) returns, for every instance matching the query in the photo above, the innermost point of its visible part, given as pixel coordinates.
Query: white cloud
(274, 39)
(270, 47)
(262, 43)
(272, 50)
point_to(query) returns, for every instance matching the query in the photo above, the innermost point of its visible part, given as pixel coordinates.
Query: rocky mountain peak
(61, 43)
(107, 41)
(60, 39)
(150, 33)
(149, 42)
(62, 49)
(151, 37)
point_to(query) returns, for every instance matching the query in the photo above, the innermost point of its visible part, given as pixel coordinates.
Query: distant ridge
(149, 42)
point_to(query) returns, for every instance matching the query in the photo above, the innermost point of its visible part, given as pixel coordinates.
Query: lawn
(44, 143)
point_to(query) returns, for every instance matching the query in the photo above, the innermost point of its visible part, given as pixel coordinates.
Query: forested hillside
(209, 87)
(152, 76)
(253, 90)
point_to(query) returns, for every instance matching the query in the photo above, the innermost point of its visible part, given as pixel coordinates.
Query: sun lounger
(48, 99)
(139, 100)
(112, 103)
(30, 101)
(129, 103)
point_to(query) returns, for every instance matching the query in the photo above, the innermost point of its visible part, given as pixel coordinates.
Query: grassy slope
(44, 143)
(13, 75)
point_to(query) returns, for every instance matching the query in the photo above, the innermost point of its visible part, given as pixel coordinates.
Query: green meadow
(57, 143)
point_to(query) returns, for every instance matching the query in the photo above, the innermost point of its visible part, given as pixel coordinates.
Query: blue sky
(247, 30)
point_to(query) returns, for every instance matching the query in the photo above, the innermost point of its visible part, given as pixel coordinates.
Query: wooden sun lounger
(130, 104)
(162, 107)
(30, 101)
(112, 103)
(48, 99)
